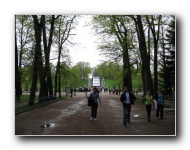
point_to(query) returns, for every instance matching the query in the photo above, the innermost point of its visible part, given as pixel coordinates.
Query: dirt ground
(71, 117)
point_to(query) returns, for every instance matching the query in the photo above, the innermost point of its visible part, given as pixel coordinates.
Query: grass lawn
(22, 106)
(111, 83)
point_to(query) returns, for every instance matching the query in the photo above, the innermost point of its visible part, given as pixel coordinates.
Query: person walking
(95, 96)
(109, 91)
(127, 99)
(159, 97)
(71, 92)
(86, 92)
(148, 102)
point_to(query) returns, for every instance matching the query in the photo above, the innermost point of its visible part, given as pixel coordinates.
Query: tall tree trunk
(143, 68)
(155, 66)
(148, 54)
(55, 89)
(58, 78)
(59, 83)
(125, 69)
(47, 48)
(17, 87)
(164, 58)
(156, 38)
(43, 84)
(127, 80)
(143, 79)
(37, 55)
(122, 37)
(20, 56)
(143, 51)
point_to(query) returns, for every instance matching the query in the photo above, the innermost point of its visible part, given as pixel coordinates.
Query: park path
(70, 117)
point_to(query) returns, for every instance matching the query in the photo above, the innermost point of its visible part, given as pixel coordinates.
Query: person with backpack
(94, 106)
(159, 97)
(127, 98)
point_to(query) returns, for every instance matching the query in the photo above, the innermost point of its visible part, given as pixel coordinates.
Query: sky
(9, 8)
(86, 47)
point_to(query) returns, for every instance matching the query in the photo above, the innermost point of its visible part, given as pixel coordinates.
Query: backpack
(90, 101)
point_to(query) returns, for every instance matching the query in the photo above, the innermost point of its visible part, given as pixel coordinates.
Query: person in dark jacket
(159, 97)
(127, 99)
(94, 107)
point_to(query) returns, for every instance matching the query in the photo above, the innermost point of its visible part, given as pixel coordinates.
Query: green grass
(111, 83)
(24, 107)
(83, 83)
(25, 98)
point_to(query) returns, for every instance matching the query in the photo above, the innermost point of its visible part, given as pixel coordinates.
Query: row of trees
(113, 71)
(145, 44)
(135, 40)
(42, 57)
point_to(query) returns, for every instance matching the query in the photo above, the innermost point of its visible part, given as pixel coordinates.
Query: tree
(17, 82)
(23, 31)
(146, 73)
(122, 35)
(110, 70)
(63, 32)
(47, 48)
(84, 69)
(119, 30)
(155, 21)
(167, 73)
(37, 57)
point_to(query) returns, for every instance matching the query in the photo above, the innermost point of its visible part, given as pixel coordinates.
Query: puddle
(48, 125)
(113, 103)
(70, 110)
(169, 110)
(136, 116)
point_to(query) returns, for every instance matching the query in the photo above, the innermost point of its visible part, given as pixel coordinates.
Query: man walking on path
(159, 97)
(127, 99)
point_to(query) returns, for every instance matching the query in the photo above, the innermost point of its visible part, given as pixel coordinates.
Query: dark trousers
(126, 113)
(160, 109)
(148, 110)
(94, 110)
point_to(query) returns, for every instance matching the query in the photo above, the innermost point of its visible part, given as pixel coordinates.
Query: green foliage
(82, 83)
(24, 106)
(108, 70)
(167, 72)
(78, 75)
(109, 83)
(83, 69)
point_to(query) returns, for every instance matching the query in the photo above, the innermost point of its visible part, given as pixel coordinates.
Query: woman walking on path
(148, 102)
(95, 96)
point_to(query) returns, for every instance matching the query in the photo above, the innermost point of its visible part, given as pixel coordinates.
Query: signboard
(68, 91)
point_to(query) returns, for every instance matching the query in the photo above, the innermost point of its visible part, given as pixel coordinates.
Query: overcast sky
(86, 47)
